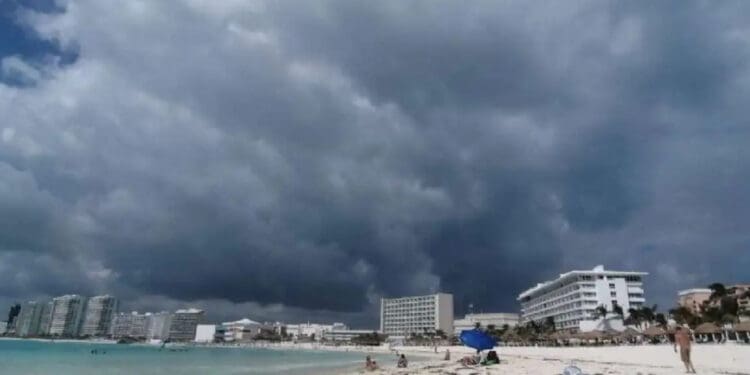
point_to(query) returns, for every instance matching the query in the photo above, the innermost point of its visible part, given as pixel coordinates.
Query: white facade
(495, 319)
(416, 315)
(609, 323)
(312, 330)
(67, 315)
(184, 323)
(205, 333)
(100, 311)
(242, 330)
(158, 325)
(345, 334)
(131, 324)
(575, 295)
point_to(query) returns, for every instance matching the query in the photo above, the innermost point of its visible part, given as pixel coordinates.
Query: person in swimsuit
(682, 339)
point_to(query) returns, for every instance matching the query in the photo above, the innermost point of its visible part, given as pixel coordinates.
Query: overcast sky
(297, 160)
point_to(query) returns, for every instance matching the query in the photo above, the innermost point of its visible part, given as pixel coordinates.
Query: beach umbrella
(654, 331)
(742, 327)
(707, 329)
(629, 333)
(477, 339)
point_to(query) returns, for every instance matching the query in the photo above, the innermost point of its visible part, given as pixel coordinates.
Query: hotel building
(498, 320)
(45, 318)
(158, 325)
(132, 324)
(184, 324)
(99, 313)
(416, 315)
(29, 319)
(574, 296)
(67, 315)
(693, 299)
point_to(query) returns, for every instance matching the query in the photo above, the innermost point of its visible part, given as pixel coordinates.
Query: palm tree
(718, 290)
(635, 317)
(683, 315)
(728, 306)
(440, 333)
(649, 314)
(600, 312)
(548, 325)
(617, 309)
(661, 319)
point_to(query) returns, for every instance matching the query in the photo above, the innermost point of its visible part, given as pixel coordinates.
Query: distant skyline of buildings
(74, 316)
(571, 301)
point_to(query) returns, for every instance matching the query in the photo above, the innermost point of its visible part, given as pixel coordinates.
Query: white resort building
(243, 330)
(574, 296)
(416, 315)
(498, 320)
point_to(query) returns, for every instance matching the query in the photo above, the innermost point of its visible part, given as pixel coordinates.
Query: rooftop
(694, 291)
(189, 311)
(598, 270)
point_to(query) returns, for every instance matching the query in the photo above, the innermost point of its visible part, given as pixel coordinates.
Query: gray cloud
(302, 160)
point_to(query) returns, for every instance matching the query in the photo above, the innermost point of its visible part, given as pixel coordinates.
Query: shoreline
(65, 341)
(709, 359)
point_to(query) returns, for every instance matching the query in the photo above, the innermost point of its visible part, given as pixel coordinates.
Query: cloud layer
(305, 158)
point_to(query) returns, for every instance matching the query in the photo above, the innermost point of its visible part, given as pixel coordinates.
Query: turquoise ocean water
(24, 357)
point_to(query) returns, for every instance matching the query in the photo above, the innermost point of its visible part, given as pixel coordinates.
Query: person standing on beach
(682, 338)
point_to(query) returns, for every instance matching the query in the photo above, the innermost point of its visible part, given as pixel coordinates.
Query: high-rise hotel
(67, 315)
(575, 295)
(419, 314)
(99, 313)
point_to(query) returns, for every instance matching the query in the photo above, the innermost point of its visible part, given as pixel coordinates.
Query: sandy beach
(612, 360)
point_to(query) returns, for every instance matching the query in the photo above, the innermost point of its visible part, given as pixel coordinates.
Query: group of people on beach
(372, 365)
(491, 359)
(681, 339)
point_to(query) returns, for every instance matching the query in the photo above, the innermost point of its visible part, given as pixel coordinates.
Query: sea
(28, 357)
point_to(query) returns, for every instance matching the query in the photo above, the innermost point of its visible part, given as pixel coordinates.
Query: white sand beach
(613, 360)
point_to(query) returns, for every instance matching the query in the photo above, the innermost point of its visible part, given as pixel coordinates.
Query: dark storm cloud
(302, 160)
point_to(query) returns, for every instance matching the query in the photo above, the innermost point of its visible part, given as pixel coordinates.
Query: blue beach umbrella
(477, 339)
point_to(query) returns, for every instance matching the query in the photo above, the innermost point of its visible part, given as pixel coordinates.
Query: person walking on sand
(682, 339)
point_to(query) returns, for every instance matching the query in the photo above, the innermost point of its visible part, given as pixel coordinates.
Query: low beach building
(311, 331)
(345, 335)
(574, 296)
(497, 320)
(416, 314)
(205, 333)
(243, 330)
